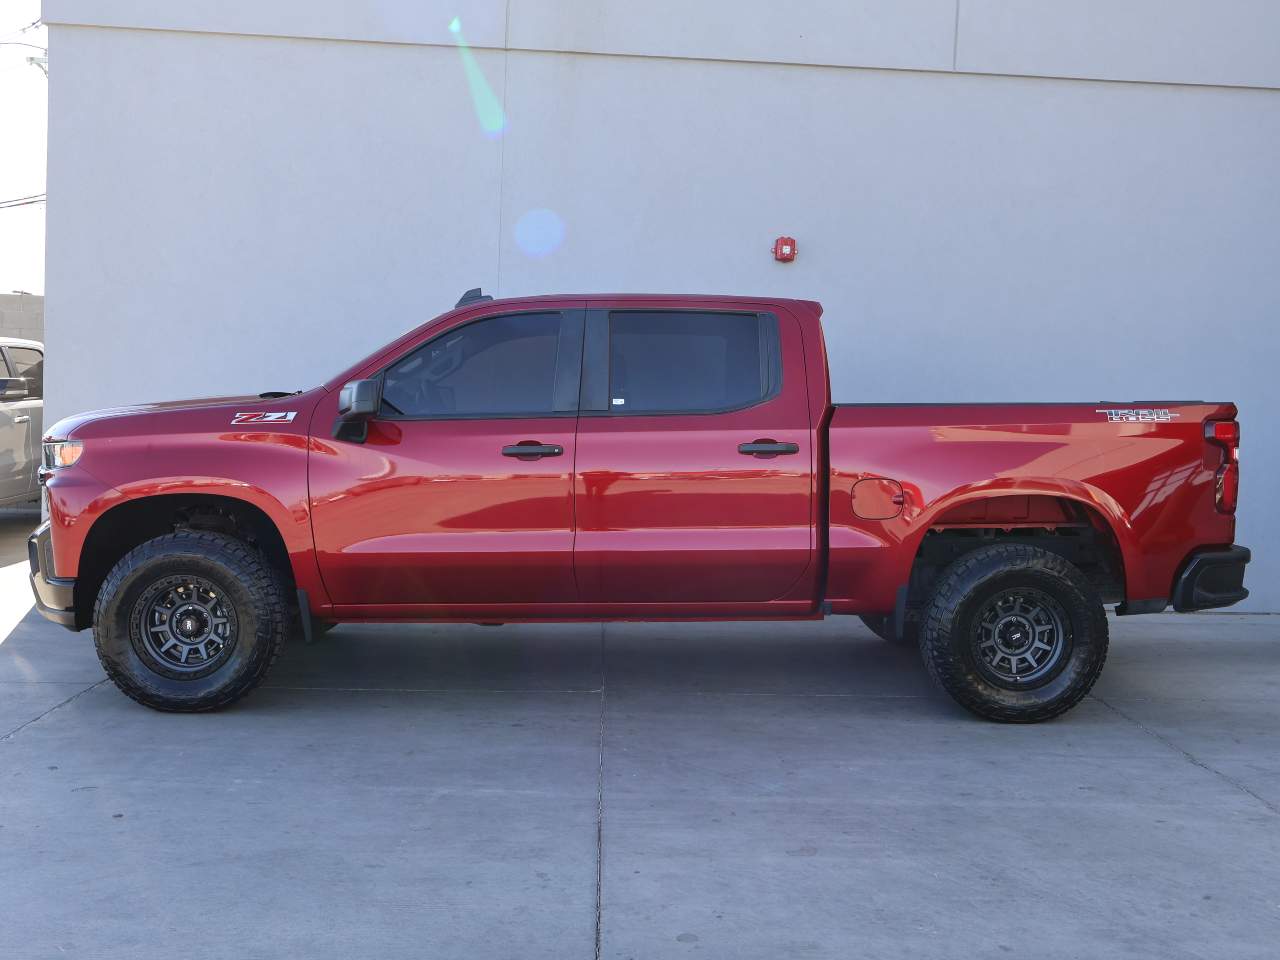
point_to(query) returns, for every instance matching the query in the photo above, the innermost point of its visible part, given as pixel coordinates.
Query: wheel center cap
(1014, 635)
(190, 624)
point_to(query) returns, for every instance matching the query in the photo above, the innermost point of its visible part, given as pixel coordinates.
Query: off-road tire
(244, 579)
(883, 627)
(952, 633)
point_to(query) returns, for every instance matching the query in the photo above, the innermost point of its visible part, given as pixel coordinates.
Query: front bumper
(55, 597)
(1214, 578)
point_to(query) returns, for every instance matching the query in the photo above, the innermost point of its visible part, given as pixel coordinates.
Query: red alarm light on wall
(784, 249)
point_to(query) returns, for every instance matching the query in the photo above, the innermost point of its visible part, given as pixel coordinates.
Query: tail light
(1226, 434)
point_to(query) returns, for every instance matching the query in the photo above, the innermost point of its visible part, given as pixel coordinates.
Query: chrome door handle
(21, 419)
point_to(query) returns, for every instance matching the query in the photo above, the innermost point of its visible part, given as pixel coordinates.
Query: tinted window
(686, 362)
(502, 365)
(29, 364)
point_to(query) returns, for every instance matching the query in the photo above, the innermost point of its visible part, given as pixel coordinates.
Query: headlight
(62, 453)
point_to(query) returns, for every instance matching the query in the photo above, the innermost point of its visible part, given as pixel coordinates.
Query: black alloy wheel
(185, 624)
(1019, 637)
(191, 621)
(1014, 632)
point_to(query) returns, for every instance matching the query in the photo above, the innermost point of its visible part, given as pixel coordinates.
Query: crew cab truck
(630, 458)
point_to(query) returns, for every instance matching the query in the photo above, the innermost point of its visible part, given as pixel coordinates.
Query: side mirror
(13, 388)
(360, 399)
(358, 402)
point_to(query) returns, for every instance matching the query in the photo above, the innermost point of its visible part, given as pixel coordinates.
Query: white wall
(235, 209)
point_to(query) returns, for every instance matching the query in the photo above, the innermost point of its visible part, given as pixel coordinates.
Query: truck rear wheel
(190, 621)
(1014, 633)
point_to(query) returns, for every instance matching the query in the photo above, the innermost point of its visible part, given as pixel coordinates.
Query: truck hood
(125, 416)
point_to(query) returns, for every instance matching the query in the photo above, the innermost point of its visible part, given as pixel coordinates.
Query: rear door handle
(21, 419)
(767, 448)
(532, 450)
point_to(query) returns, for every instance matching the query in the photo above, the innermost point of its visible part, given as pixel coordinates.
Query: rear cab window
(672, 362)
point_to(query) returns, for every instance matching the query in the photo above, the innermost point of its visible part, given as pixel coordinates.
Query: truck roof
(664, 297)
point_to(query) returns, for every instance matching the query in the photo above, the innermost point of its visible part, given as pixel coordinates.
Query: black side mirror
(13, 388)
(358, 402)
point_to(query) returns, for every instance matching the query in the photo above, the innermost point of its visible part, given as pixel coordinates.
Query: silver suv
(21, 419)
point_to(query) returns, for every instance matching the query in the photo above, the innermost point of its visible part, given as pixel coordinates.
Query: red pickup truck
(630, 458)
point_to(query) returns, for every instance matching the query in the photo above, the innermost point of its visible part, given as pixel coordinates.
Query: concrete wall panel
(1229, 42)
(22, 316)
(244, 214)
(1233, 42)
(393, 21)
(876, 33)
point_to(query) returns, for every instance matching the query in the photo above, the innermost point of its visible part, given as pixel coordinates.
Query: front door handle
(22, 419)
(767, 448)
(532, 450)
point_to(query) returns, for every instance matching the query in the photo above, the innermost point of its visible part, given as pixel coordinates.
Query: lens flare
(539, 232)
(493, 120)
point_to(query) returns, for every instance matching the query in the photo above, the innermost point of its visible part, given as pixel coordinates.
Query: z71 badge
(1138, 416)
(280, 416)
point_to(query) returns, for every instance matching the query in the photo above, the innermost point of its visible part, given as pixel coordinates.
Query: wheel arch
(132, 522)
(1067, 517)
(1086, 494)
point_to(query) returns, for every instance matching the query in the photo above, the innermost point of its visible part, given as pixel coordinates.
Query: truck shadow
(1166, 659)
(833, 658)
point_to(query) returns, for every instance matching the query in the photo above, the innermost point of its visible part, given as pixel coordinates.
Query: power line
(23, 201)
(30, 26)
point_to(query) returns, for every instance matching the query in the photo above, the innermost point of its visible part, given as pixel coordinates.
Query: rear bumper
(1214, 578)
(55, 597)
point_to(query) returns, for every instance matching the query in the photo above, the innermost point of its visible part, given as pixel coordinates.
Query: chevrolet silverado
(630, 458)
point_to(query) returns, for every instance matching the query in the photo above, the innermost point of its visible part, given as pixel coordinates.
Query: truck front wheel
(190, 621)
(1014, 633)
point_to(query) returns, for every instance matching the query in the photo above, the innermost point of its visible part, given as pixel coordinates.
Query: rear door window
(691, 362)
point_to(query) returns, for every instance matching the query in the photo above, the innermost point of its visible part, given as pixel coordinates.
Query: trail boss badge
(1146, 415)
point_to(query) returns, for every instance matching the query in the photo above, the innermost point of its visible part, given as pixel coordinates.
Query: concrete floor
(726, 791)
(16, 525)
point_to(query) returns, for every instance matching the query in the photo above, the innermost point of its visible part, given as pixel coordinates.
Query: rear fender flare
(1090, 496)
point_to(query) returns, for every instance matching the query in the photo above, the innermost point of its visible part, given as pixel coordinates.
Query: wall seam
(502, 141)
(955, 39)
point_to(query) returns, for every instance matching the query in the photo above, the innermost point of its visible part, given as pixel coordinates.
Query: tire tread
(250, 566)
(956, 582)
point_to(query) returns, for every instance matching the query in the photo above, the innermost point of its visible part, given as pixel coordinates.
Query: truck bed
(1139, 472)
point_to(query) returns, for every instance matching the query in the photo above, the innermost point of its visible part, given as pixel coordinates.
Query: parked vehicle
(639, 458)
(21, 419)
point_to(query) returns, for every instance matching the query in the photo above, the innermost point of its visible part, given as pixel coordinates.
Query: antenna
(474, 295)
